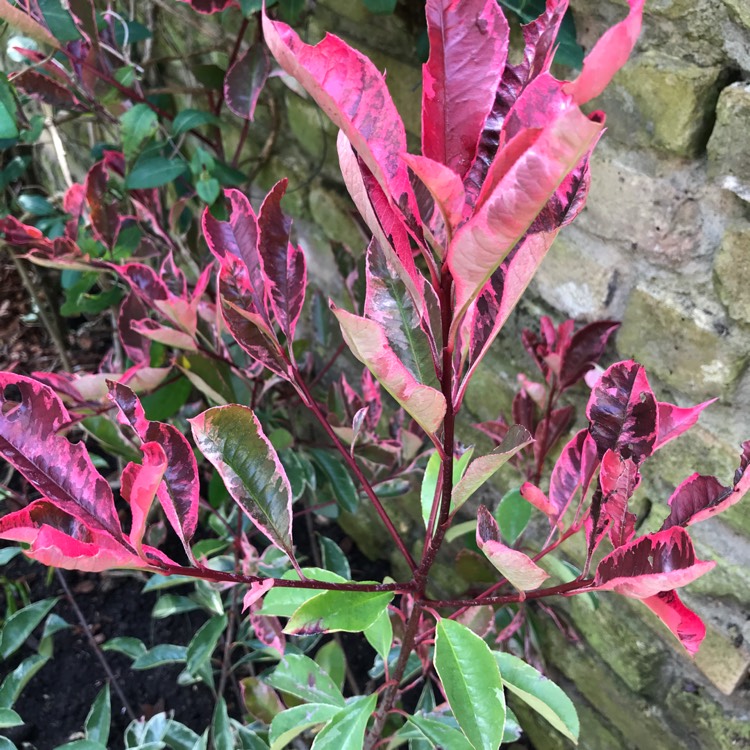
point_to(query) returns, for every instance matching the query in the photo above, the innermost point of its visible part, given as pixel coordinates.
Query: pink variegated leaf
(352, 92)
(468, 49)
(520, 570)
(368, 342)
(480, 620)
(179, 491)
(144, 282)
(445, 187)
(104, 212)
(31, 417)
(269, 631)
(245, 80)
(257, 591)
(152, 330)
(139, 484)
(610, 53)
(572, 472)
(622, 412)
(674, 420)
(483, 467)
(650, 565)
(283, 263)
(681, 621)
(700, 497)
(538, 499)
(232, 439)
(40, 86)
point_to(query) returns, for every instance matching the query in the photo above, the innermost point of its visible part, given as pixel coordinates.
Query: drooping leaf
(539, 693)
(300, 676)
(518, 568)
(338, 476)
(572, 472)
(334, 558)
(245, 80)
(482, 468)
(686, 626)
(332, 611)
(346, 731)
(468, 50)
(368, 342)
(17, 680)
(232, 439)
(471, 680)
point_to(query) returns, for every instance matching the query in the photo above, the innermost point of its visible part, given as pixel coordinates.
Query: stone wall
(664, 246)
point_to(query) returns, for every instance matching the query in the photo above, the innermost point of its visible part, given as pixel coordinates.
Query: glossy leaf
(283, 602)
(158, 656)
(232, 439)
(513, 515)
(468, 50)
(203, 644)
(334, 558)
(482, 468)
(517, 567)
(294, 721)
(684, 624)
(331, 611)
(99, 717)
(380, 634)
(301, 677)
(17, 680)
(222, 737)
(368, 342)
(539, 693)
(429, 486)
(337, 474)
(472, 684)
(245, 80)
(19, 626)
(346, 731)
(190, 119)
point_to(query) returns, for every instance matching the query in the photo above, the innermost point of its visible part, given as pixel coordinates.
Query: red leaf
(573, 471)
(137, 347)
(31, 416)
(46, 88)
(105, 213)
(245, 80)
(618, 480)
(674, 420)
(622, 412)
(468, 48)
(584, 350)
(283, 263)
(650, 565)
(683, 622)
(352, 92)
(179, 491)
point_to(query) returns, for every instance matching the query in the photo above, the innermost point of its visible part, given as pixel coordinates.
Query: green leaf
(231, 438)
(331, 659)
(132, 647)
(59, 21)
(380, 634)
(99, 718)
(164, 653)
(213, 379)
(8, 553)
(301, 677)
(221, 731)
(440, 734)
(284, 602)
(208, 189)
(346, 731)
(19, 626)
(8, 124)
(291, 723)
(167, 400)
(331, 611)
(472, 684)
(173, 604)
(37, 205)
(512, 515)
(539, 693)
(137, 125)
(429, 486)
(339, 478)
(9, 718)
(84, 745)
(204, 643)
(6, 744)
(381, 7)
(17, 680)
(289, 10)
(154, 171)
(334, 558)
(190, 119)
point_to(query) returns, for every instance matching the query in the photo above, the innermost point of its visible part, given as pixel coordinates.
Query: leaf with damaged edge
(301, 677)
(332, 611)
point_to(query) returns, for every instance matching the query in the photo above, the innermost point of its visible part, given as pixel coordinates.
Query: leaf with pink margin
(445, 187)
(143, 280)
(674, 420)
(681, 621)
(468, 50)
(622, 412)
(179, 492)
(533, 164)
(548, 432)
(139, 484)
(609, 54)
(104, 213)
(572, 471)
(60, 470)
(257, 590)
(700, 497)
(483, 467)
(349, 88)
(283, 263)
(154, 331)
(650, 565)
(232, 439)
(368, 343)
(245, 80)
(520, 570)
(24, 525)
(618, 480)
(584, 350)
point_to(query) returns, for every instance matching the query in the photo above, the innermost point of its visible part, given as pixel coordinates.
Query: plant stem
(521, 596)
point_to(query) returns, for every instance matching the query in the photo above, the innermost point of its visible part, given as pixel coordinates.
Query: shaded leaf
(153, 172)
(245, 80)
(291, 723)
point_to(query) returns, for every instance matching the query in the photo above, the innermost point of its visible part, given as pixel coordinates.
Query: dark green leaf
(291, 723)
(167, 400)
(9, 718)
(99, 718)
(131, 33)
(382, 7)
(154, 171)
(19, 626)
(132, 647)
(289, 10)
(204, 643)
(210, 76)
(59, 21)
(339, 478)
(164, 653)
(36, 205)
(221, 732)
(16, 681)
(346, 731)
(334, 558)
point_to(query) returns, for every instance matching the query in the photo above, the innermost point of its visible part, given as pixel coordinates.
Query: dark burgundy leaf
(105, 213)
(523, 411)
(549, 432)
(137, 347)
(622, 412)
(245, 80)
(46, 88)
(573, 471)
(585, 348)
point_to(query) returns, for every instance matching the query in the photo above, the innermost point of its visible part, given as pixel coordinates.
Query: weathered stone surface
(335, 214)
(681, 346)
(663, 103)
(740, 11)
(732, 273)
(729, 147)
(722, 661)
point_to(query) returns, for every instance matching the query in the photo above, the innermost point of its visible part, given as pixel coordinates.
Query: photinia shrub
(458, 232)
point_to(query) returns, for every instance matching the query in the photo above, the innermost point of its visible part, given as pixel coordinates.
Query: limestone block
(740, 11)
(721, 661)
(682, 346)
(662, 102)
(729, 146)
(732, 273)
